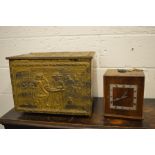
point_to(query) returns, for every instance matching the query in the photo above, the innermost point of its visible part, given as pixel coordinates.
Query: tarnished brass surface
(60, 85)
(53, 55)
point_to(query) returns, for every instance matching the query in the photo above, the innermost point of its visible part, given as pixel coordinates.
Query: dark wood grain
(14, 119)
(135, 78)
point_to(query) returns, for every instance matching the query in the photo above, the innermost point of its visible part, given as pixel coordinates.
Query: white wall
(123, 47)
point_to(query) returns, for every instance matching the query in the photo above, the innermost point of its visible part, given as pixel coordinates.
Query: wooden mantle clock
(124, 93)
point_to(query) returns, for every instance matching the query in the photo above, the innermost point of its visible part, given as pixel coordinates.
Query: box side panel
(12, 80)
(51, 86)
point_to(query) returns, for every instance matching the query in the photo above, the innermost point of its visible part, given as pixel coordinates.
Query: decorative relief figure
(57, 91)
(44, 93)
(41, 92)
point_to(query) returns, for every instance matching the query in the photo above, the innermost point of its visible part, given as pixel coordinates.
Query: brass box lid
(53, 55)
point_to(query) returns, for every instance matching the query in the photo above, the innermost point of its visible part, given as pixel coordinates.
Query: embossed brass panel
(56, 83)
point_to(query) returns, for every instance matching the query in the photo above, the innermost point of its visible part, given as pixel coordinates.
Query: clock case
(124, 94)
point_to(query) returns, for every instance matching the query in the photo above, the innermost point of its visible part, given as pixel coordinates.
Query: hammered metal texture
(56, 86)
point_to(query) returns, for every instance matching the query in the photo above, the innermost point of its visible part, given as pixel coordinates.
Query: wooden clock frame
(123, 95)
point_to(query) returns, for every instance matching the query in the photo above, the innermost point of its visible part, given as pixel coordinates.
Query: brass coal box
(54, 82)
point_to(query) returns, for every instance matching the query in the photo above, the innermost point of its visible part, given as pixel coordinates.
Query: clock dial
(123, 96)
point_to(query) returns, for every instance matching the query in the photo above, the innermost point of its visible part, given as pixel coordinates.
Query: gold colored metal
(55, 83)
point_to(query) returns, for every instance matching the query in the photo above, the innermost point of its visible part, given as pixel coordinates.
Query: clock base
(125, 117)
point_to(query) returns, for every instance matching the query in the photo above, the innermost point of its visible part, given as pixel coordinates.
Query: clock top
(124, 73)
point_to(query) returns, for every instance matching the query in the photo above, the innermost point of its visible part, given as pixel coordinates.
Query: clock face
(123, 96)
